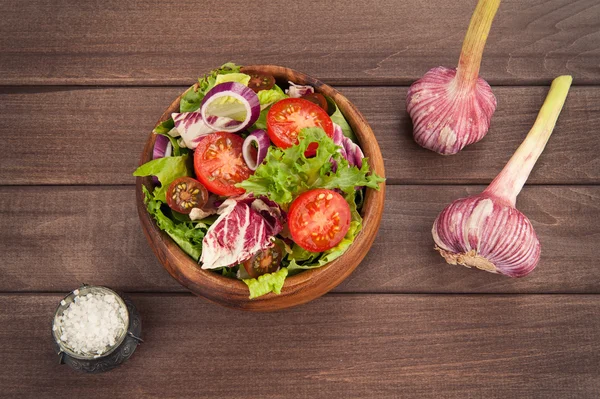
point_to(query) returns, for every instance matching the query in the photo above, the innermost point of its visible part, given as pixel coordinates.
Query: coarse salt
(91, 324)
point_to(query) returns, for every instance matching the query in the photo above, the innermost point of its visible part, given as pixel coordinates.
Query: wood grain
(111, 125)
(340, 42)
(360, 346)
(55, 238)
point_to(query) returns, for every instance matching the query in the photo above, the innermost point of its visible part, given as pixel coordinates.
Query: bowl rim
(297, 288)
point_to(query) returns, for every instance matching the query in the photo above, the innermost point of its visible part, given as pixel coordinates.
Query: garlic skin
(448, 115)
(485, 233)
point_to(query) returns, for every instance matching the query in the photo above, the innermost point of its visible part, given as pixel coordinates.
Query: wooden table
(82, 83)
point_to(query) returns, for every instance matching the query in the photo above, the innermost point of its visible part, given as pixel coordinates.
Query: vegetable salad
(256, 181)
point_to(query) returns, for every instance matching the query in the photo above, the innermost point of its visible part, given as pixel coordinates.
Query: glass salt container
(124, 346)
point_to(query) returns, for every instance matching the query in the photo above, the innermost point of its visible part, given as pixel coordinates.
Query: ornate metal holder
(124, 346)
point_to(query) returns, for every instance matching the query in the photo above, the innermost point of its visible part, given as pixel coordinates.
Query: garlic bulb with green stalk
(486, 230)
(452, 107)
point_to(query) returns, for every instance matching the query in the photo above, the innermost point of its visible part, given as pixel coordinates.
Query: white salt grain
(92, 323)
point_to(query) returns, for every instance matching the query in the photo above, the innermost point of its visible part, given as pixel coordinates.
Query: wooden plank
(168, 42)
(95, 136)
(55, 238)
(364, 346)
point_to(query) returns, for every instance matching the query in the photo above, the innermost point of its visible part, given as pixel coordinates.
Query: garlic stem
(472, 49)
(508, 184)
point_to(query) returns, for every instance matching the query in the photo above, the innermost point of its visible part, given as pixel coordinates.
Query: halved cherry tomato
(317, 98)
(319, 219)
(259, 81)
(265, 261)
(186, 193)
(219, 163)
(287, 117)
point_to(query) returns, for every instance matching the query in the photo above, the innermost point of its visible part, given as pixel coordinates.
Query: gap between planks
(34, 88)
(389, 182)
(329, 294)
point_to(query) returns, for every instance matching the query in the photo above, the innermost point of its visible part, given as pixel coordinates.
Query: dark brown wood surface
(339, 346)
(97, 239)
(340, 42)
(83, 82)
(111, 124)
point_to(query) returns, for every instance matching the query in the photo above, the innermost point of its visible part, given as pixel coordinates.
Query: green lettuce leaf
(285, 174)
(164, 127)
(166, 170)
(192, 98)
(208, 81)
(338, 118)
(270, 282)
(301, 255)
(187, 235)
(268, 97)
(261, 122)
(233, 77)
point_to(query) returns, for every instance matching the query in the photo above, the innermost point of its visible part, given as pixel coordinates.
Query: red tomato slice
(287, 117)
(319, 219)
(219, 163)
(186, 193)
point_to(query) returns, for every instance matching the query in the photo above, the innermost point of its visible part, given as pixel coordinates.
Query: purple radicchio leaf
(297, 91)
(245, 226)
(191, 127)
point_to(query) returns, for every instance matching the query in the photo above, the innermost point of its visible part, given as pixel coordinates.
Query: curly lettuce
(285, 174)
(188, 235)
(270, 282)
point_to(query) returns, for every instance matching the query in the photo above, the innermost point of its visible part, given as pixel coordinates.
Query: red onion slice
(162, 147)
(243, 94)
(262, 144)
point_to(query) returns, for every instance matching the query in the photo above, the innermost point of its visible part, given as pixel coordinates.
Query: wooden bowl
(299, 288)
